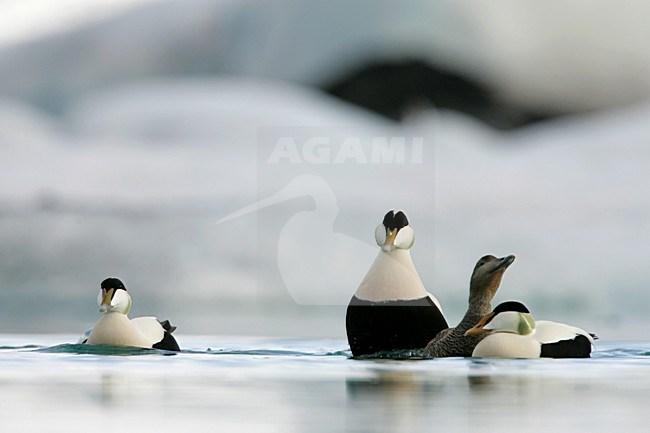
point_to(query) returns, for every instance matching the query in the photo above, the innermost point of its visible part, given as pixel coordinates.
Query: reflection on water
(505, 395)
(112, 385)
(299, 385)
(390, 401)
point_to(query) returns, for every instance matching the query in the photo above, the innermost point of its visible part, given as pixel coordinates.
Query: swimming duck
(511, 332)
(391, 309)
(115, 328)
(483, 285)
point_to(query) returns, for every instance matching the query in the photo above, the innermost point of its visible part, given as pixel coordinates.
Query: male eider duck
(116, 329)
(511, 332)
(483, 285)
(391, 309)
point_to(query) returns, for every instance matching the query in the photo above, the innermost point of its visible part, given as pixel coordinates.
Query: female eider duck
(511, 332)
(391, 309)
(116, 329)
(483, 285)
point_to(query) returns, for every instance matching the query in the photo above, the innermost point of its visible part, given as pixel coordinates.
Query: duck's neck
(479, 306)
(455, 343)
(392, 277)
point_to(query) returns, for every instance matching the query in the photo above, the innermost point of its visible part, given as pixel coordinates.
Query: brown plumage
(484, 284)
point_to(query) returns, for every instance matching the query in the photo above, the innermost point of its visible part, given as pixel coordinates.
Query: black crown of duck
(112, 283)
(514, 306)
(109, 288)
(408, 316)
(394, 220)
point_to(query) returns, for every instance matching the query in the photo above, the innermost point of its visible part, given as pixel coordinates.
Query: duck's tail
(167, 326)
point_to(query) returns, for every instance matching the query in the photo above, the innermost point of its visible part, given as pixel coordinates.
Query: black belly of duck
(392, 325)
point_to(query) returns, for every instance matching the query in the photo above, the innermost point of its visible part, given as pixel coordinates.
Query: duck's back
(563, 341)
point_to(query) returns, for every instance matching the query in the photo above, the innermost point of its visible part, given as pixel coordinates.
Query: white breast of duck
(117, 329)
(507, 345)
(392, 277)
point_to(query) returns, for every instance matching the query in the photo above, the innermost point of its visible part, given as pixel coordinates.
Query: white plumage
(551, 332)
(393, 276)
(116, 329)
(507, 345)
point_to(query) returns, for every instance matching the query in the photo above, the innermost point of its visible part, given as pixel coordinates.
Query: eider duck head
(487, 275)
(511, 317)
(394, 232)
(113, 297)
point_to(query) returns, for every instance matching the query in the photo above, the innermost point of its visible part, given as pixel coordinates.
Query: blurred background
(129, 128)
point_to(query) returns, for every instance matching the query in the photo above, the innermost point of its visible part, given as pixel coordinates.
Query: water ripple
(102, 349)
(297, 349)
(27, 346)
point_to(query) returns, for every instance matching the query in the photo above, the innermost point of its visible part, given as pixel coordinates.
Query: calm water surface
(275, 385)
